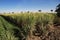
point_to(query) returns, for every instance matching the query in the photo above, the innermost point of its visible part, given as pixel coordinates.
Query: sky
(27, 5)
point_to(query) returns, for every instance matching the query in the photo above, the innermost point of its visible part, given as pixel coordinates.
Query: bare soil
(52, 33)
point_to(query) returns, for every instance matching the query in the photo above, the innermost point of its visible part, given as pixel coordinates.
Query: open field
(29, 26)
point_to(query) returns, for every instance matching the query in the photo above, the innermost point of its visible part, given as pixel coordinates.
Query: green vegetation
(18, 26)
(6, 30)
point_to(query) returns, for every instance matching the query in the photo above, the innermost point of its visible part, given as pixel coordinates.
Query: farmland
(29, 26)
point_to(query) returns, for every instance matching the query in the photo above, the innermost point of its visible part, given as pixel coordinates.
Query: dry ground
(53, 33)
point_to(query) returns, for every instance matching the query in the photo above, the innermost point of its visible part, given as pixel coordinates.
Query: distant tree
(51, 10)
(39, 10)
(58, 10)
(12, 12)
(27, 11)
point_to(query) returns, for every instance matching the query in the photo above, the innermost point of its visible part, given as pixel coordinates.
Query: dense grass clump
(6, 30)
(19, 26)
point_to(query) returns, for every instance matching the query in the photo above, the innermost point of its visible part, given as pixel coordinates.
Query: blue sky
(25, 5)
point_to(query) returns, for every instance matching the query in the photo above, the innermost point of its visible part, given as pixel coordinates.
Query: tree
(58, 10)
(51, 10)
(12, 12)
(39, 10)
(27, 11)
